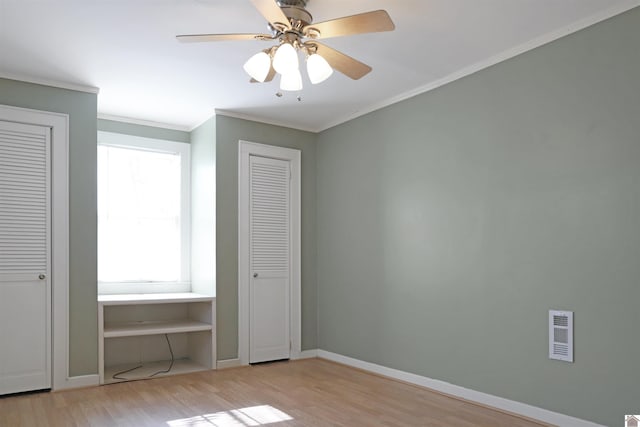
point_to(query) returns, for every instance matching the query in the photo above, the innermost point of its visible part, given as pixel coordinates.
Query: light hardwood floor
(311, 392)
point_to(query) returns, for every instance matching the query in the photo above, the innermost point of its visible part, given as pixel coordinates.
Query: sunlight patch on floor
(253, 416)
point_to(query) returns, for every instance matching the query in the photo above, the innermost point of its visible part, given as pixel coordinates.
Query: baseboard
(463, 393)
(80, 381)
(228, 363)
(306, 354)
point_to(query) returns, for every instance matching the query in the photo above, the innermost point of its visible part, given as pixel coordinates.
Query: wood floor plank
(310, 393)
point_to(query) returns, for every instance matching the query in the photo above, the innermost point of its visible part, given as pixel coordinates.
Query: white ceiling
(127, 49)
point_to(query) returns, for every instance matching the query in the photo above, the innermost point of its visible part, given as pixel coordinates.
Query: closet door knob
(255, 275)
(42, 277)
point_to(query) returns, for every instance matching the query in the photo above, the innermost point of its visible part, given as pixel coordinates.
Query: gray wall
(143, 131)
(203, 208)
(449, 224)
(82, 109)
(228, 132)
(440, 230)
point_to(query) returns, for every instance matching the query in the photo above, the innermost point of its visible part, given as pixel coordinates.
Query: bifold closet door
(25, 285)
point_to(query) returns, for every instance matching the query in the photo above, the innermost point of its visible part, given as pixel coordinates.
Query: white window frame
(160, 146)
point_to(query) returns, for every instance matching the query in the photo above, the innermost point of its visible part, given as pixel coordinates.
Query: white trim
(47, 82)
(273, 122)
(306, 354)
(59, 125)
(142, 122)
(83, 381)
(154, 144)
(493, 60)
(228, 363)
(461, 392)
(145, 288)
(245, 149)
(162, 146)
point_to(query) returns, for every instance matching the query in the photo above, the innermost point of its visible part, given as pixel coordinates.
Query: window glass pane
(138, 215)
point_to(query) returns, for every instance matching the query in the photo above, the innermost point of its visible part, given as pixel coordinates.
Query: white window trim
(161, 146)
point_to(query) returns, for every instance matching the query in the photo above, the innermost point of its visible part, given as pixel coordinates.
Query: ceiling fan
(292, 27)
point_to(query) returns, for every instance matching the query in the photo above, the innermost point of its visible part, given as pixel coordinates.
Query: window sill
(143, 288)
(123, 299)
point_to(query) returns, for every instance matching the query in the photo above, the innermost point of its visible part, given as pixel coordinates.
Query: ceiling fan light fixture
(292, 81)
(318, 69)
(285, 59)
(258, 66)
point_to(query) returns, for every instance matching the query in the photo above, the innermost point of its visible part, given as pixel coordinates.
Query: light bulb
(258, 66)
(318, 69)
(291, 81)
(285, 59)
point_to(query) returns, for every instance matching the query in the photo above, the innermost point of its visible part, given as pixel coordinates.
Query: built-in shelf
(144, 329)
(151, 327)
(180, 366)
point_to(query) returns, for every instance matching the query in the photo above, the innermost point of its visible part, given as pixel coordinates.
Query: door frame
(59, 320)
(245, 150)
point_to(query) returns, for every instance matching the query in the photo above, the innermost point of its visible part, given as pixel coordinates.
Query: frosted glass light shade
(286, 59)
(258, 66)
(292, 81)
(318, 69)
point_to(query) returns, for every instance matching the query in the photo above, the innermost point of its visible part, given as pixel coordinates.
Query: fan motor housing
(296, 12)
(298, 3)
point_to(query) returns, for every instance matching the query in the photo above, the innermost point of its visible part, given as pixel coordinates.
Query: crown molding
(493, 60)
(142, 122)
(252, 118)
(471, 69)
(47, 82)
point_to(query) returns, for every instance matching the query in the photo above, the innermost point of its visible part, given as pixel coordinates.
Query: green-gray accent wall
(228, 132)
(450, 223)
(439, 231)
(82, 109)
(203, 209)
(145, 131)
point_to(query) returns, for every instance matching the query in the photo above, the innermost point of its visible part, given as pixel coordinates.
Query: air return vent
(561, 335)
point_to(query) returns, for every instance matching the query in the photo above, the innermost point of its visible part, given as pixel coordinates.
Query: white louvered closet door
(25, 286)
(269, 258)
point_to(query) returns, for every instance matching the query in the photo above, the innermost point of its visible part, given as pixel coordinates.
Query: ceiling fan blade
(347, 65)
(194, 38)
(368, 22)
(270, 76)
(272, 13)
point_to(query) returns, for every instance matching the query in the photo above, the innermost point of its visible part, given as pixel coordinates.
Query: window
(143, 215)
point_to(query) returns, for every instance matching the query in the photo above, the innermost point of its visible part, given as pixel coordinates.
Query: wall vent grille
(561, 335)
